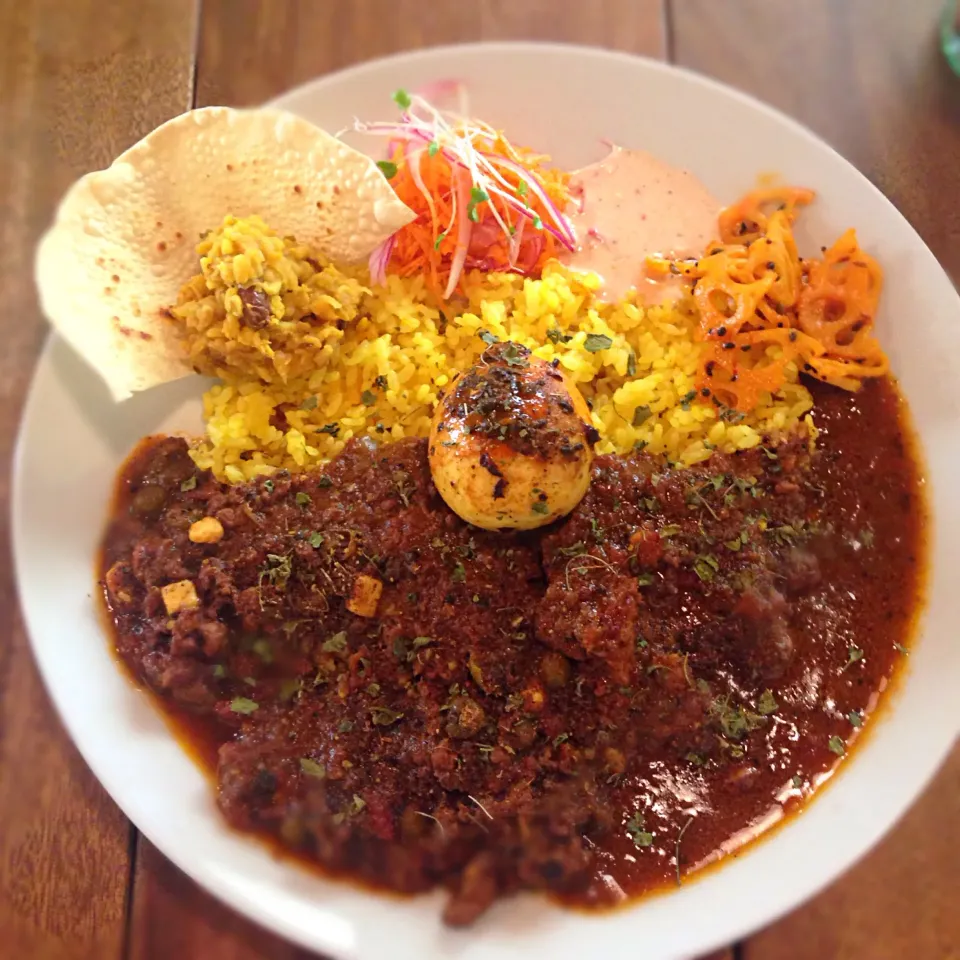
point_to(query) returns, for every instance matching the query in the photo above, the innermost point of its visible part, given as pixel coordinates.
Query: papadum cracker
(124, 239)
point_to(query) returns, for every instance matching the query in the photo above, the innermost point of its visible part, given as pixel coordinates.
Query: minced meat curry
(592, 709)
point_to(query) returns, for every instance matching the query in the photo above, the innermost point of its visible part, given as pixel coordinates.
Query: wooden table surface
(82, 80)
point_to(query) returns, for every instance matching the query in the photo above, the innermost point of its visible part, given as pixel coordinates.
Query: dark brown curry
(594, 709)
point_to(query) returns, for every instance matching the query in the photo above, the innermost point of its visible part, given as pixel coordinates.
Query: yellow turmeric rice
(332, 359)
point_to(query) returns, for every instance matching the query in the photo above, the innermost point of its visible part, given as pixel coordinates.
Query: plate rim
(234, 897)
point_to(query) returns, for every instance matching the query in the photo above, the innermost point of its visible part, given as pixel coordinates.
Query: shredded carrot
(450, 200)
(762, 307)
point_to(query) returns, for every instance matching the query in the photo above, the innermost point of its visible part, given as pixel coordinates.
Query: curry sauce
(594, 709)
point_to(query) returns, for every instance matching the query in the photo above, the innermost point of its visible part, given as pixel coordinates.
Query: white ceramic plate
(564, 100)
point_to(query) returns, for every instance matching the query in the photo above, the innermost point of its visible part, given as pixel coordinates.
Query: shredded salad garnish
(481, 202)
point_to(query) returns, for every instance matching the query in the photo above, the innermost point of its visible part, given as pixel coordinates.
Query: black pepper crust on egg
(521, 401)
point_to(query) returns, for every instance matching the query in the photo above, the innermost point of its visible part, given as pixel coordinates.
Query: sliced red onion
(566, 239)
(531, 215)
(463, 235)
(439, 89)
(515, 241)
(555, 212)
(379, 260)
(412, 159)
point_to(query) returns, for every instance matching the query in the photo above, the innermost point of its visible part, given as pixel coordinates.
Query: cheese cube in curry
(365, 596)
(206, 530)
(181, 595)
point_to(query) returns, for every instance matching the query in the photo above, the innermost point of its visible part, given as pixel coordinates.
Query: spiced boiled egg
(511, 443)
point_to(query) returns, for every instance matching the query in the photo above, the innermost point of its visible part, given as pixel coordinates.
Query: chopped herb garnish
(309, 404)
(440, 238)
(596, 342)
(459, 573)
(268, 485)
(730, 415)
(487, 337)
(404, 486)
(574, 550)
(345, 726)
(419, 642)
(332, 428)
(854, 654)
(797, 781)
(263, 649)
(856, 718)
(631, 364)
(767, 703)
(388, 168)
(244, 706)
(335, 644)
(735, 722)
(433, 148)
(644, 579)
(637, 831)
(315, 540)
(522, 188)
(219, 671)
(837, 745)
(356, 805)
(303, 499)
(560, 738)
(512, 356)
(477, 196)
(189, 484)
(642, 643)
(669, 530)
(556, 335)
(402, 99)
(368, 398)
(325, 482)
(384, 717)
(313, 769)
(538, 506)
(706, 567)
(641, 415)
(276, 571)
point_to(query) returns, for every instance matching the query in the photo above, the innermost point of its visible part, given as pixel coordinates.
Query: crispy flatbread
(123, 241)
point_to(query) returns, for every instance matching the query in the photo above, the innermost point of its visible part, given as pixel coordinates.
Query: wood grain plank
(80, 82)
(173, 918)
(251, 51)
(899, 902)
(867, 76)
